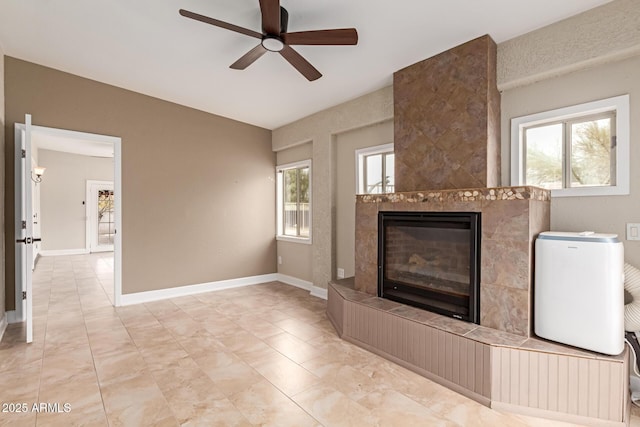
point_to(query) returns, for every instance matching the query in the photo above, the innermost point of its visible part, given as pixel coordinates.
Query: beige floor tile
(21, 419)
(218, 413)
(333, 408)
(396, 409)
(241, 341)
(264, 404)
(258, 327)
(300, 330)
(190, 396)
(232, 378)
(67, 365)
(136, 401)
(202, 343)
(258, 355)
(293, 347)
(119, 366)
(287, 375)
(82, 395)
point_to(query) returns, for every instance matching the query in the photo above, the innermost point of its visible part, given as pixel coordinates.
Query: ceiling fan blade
(220, 24)
(342, 36)
(300, 64)
(270, 16)
(249, 58)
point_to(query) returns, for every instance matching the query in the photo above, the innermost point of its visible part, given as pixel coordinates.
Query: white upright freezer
(579, 290)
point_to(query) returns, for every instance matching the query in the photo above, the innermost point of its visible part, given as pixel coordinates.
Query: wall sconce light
(38, 171)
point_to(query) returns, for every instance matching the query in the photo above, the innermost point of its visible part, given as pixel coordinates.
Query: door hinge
(24, 295)
(24, 154)
(24, 225)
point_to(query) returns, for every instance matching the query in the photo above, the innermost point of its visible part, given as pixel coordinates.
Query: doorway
(110, 236)
(100, 223)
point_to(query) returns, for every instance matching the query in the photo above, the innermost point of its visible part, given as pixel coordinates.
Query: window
(581, 150)
(294, 201)
(375, 170)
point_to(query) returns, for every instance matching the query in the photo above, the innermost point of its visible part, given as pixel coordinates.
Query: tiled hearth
(504, 371)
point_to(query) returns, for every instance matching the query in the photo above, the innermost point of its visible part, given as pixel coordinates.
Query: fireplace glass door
(431, 260)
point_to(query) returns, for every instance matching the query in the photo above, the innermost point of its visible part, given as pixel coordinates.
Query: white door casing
(24, 226)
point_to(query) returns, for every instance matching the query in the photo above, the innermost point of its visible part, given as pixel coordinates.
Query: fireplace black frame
(419, 297)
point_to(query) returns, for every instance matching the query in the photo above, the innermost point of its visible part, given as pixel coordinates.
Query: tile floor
(259, 355)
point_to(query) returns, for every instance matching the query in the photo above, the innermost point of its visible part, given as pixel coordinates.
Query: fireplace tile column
(447, 120)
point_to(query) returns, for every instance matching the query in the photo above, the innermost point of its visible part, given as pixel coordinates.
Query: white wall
(62, 194)
(321, 129)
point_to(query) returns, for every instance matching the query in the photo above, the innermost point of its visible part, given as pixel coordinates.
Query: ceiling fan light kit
(275, 38)
(272, 44)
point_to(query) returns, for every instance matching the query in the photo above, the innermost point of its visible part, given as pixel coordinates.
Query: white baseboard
(3, 325)
(12, 317)
(294, 281)
(303, 284)
(319, 292)
(59, 252)
(148, 296)
(179, 291)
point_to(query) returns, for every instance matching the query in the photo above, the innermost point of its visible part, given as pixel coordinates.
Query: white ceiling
(145, 46)
(64, 141)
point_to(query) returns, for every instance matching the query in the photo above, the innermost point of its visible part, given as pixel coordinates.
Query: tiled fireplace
(511, 218)
(447, 127)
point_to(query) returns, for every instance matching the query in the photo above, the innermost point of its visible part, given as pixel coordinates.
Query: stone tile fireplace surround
(447, 127)
(511, 218)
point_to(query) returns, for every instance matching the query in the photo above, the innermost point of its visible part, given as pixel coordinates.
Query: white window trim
(360, 155)
(279, 200)
(620, 104)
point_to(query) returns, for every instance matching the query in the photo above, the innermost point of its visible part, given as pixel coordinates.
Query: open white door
(24, 225)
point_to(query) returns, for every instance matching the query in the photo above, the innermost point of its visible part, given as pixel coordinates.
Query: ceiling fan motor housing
(284, 20)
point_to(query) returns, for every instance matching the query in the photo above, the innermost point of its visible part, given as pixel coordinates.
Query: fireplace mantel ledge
(484, 335)
(462, 194)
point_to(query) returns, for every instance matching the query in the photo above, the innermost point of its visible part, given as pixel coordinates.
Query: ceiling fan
(275, 38)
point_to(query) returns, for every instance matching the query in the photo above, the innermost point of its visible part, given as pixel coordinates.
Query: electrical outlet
(633, 231)
(279, 260)
(341, 273)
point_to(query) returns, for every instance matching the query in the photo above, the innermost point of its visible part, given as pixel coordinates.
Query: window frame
(280, 202)
(361, 155)
(618, 104)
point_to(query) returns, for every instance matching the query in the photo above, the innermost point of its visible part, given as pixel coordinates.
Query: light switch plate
(633, 231)
(340, 273)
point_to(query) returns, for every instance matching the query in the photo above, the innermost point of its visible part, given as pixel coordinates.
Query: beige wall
(346, 145)
(321, 128)
(295, 257)
(198, 199)
(62, 196)
(2, 222)
(603, 214)
(600, 35)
